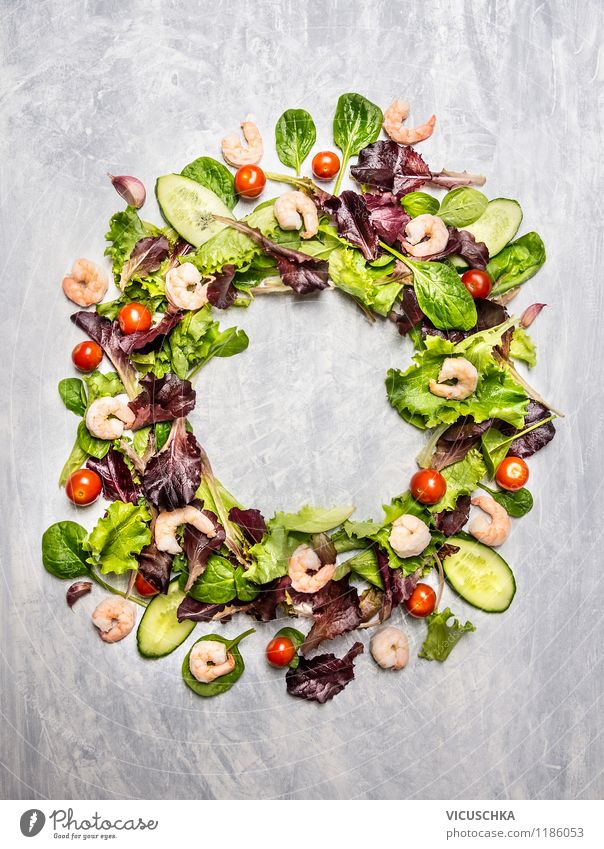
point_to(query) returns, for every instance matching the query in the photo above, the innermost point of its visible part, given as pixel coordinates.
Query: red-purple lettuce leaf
(391, 167)
(250, 521)
(408, 312)
(335, 610)
(162, 400)
(221, 292)
(144, 341)
(205, 611)
(322, 677)
(146, 257)
(457, 440)
(155, 566)
(271, 596)
(198, 547)
(527, 445)
(463, 243)
(172, 476)
(450, 522)
(397, 586)
(116, 478)
(387, 216)
(108, 335)
(351, 217)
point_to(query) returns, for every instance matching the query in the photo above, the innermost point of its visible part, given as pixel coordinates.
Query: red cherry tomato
(422, 601)
(280, 651)
(83, 487)
(478, 283)
(87, 355)
(143, 586)
(325, 165)
(133, 317)
(428, 486)
(512, 473)
(250, 181)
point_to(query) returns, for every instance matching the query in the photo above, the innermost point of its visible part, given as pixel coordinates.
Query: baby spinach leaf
(224, 682)
(462, 206)
(295, 134)
(516, 263)
(90, 445)
(441, 295)
(118, 537)
(217, 584)
(517, 503)
(297, 638)
(246, 591)
(356, 124)
(313, 520)
(63, 554)
(420, 203)
(73, 395)
(442, 637)
(214, 176)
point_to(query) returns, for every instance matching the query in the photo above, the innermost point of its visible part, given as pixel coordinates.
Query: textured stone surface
(144, 87)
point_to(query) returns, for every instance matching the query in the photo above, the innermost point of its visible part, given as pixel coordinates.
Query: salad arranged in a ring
(175, 551)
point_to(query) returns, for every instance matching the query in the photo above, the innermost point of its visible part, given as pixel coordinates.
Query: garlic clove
(130, 189)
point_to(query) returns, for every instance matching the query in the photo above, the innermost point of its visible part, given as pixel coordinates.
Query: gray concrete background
(143, 88)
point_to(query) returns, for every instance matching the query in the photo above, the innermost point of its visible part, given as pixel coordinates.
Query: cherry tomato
(325, 165)
(512, 473)
(422, 601)
(87, 355)
(280, 651)
(133, 317)
(428, 486)
(143, 586)
(83, 487)
(478, 283)
(250, 181)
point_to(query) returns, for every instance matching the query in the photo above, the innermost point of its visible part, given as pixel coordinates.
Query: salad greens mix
(190, 551)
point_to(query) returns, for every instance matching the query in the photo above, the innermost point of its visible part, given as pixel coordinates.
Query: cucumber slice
(159, 631)
(480, 575)
(497, 226)
(188, 207)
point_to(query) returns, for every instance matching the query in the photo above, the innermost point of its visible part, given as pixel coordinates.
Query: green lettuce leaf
(523, 348)
(462, 479)
(230, 247)
(270, 556)
(125, 230)
(497, 395)
(442, 637)
(118, 537)
(350, 273)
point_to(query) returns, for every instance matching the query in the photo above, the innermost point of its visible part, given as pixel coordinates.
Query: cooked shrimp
(409, 535)
(107, 418)
(288, 209)
(114, 617)
(305, 570)
(498, 529)
(86, 284)
(394, 117)
(235, 153)
(184, 288)
(459, 369)
(209, 659)
(167, 523)
(430, 226)
(390, 648)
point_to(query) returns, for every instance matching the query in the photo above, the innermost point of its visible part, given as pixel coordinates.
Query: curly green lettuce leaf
(230, 247)
(350, 273)
(442, 637)
(270, 556)
(497, 395)
(118, 537)
(462, 479)
(522, 347)
(125, 230)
